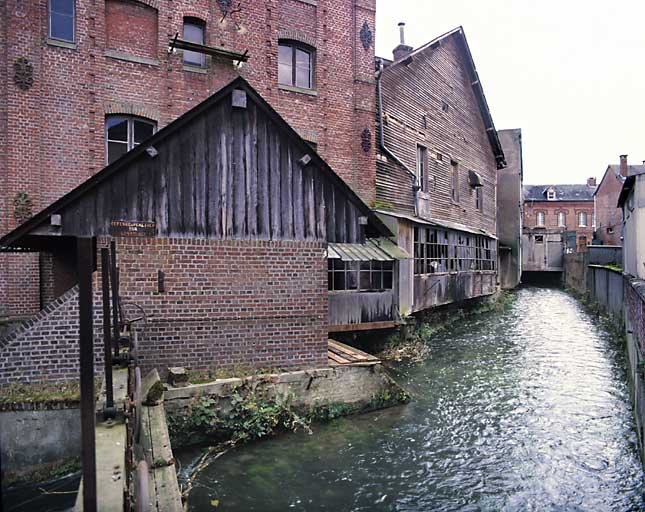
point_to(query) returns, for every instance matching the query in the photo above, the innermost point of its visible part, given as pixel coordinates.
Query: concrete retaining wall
(606, 289)
(32, 440)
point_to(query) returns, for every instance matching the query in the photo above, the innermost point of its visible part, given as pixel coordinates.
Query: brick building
(609, 218)
(557, 218)
(436, 176)
(82, 81)
(245, 230)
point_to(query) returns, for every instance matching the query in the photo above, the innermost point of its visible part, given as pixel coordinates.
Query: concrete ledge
(118, 55)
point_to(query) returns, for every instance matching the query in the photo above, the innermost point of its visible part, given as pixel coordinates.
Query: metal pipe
(107, 349)
(85, 267)
(115, 299)
(143, 487)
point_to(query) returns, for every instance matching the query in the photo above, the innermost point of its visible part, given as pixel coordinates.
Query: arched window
(122, 133)
(539, 219)
(582, 219)
(296, 64)
(194, 29)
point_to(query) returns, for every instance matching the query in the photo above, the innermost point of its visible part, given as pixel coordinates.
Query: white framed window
(582, 219)
(122, 133)
(194, 33)
(562, 220)
(61, 14)
(550, 195)
(539, 219)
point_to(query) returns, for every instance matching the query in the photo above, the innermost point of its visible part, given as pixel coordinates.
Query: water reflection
(527, 409)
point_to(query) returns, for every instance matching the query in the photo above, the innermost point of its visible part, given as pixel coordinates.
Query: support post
(115, 299)
(85, 267)
(107, 336)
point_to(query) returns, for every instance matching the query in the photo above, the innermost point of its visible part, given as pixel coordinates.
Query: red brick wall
(607, 215)
(131, 27)
(59, 121)
(551, 210)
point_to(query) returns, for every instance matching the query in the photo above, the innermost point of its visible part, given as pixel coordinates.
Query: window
(422, 167)
(295, 64)
(582, 219)
(361, 276)
(438, 250)
(539, 239)
(550, 194)
(562, 220)
(122, 133)
(539, 219)
(479, 198)
(61, 19)
(194, 33)
(454, 182)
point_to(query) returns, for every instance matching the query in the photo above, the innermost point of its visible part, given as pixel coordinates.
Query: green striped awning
(377, 249)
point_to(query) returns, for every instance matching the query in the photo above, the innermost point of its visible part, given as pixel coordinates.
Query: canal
(524, 409)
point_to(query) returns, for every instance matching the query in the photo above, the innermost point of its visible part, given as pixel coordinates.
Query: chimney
(623, 165)
(402, 49)
(591, 182)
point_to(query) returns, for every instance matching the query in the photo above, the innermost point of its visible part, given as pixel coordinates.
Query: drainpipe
(381, 139)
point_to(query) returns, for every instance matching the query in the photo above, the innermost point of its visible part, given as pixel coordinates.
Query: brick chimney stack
(623, 165)
(402, 49)
(591, 182)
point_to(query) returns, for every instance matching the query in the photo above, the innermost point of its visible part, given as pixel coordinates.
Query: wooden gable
(231, 168)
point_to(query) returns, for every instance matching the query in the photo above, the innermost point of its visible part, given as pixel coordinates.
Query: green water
(526, 409)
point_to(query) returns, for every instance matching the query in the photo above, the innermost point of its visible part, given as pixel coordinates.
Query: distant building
(609, 218)
(557, 218)
(509, 209)
(632, 203)
(437, 165)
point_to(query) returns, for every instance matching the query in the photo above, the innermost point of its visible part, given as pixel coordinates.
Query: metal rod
(107, 336)
(115, 299)
(85, 267)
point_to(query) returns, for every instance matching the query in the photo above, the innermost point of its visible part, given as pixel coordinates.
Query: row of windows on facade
(295, 60)
(423, 178)
(440, 251)
(361, 276)
(562, 219)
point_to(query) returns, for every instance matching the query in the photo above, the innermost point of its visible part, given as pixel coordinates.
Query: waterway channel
(524, 409)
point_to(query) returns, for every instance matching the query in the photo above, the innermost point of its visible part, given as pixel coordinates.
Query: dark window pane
(61, 26)
(115, 150)
(351, 279)
(142, 130)
(62, 6)
(387, 280)
(365, 280)
(339, 280)
(377, 278)
(303, 69)
(285, 73)
(338, 264)
(365, 265)
(387, 265)
(195, 34)
(117, 128)
(330, 280)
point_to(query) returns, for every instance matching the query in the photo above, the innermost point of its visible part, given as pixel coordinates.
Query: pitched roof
(562, 192)
(464, 50)
(628, 185)
(20, 236)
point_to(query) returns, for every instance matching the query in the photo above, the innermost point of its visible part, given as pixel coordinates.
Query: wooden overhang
(374, 249)
(436, 223)
(475, 83)
(43, 231)
(213, 51)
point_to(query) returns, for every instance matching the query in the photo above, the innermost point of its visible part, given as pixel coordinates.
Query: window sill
(195, 69)
(302, 90)
(61, 44)
(115, 54)
(309, 2)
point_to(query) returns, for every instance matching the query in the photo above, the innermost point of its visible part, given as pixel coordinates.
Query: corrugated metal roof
(376, 249)
(438, 223)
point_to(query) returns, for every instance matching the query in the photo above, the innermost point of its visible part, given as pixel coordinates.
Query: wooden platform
(340, 354)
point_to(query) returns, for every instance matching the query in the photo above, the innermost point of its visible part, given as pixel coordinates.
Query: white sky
(569, 73)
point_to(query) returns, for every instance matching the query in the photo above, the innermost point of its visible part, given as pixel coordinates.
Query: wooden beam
(361, 327)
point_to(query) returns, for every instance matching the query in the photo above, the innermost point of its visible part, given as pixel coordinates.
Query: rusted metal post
(115, 299)
(85, 267)
(107, 336)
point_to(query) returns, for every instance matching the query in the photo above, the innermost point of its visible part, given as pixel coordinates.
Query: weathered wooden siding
(430, 102)
(229, 174)
(546, 256)
(360, 307)
(394, 188)
(432, 290)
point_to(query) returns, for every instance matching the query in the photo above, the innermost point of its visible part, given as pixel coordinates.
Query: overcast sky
(569, 73)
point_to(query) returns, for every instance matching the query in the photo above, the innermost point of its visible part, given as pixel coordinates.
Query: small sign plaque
(133, 228)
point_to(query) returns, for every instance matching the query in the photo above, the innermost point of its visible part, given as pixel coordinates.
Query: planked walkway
(340, 354)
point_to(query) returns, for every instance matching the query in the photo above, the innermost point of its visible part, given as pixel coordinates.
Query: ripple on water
(527, 409)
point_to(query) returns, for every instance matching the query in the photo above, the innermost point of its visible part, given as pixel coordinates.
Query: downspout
(381, 139)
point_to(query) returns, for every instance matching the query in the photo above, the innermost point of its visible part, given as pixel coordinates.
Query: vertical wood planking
(251, 164)
(200, 204)
(321, 220)
(239, 176)
(310, 203)
(213, 176)
(175, 221)
(228, 167)
(264, 193)
(132, 189)
(330, 211)
(186, 154)
(146, 190)
(160, 186)
(298, 198)
(339, 217)
(286, 200)
(275, 154)
(352, 221)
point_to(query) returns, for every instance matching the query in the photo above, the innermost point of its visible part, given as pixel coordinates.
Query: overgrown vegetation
(249, 414)
(44, 392)
(240, 372)
(44, 473)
